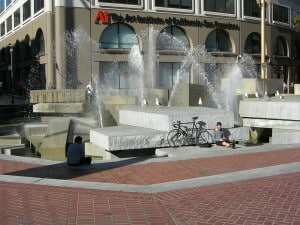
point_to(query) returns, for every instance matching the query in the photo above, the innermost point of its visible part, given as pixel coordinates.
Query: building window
(280, 14)
(9, 24)
(295, 18)
(172, 38)
(281, 47)
(8, 3)
(171, 73)
(252, 45)
(26, 10)
(117, 75)
(218, 41)
(40, 41)
(251, 8)
(2, 5)
(129, 2)
(2, 29)
(17, 18)
(296, 50)
(179, 4)
(38, 5)
(27, 47)
(118, 36)
(219, 6)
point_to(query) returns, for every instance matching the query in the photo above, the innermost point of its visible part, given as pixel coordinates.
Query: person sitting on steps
(76, 155)
(219, 137)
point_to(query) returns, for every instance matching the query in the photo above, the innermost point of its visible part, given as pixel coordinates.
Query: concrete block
(59, 108)
(252, 85)
(267, 123)
(35, 133)
(127, 137)
(13, 139)
(54, 143)
(96, 151)
(273, 108)
(54, 96)
(184, 94)
(281, 136)
(130, 137)
(297, 89)
(161, 118)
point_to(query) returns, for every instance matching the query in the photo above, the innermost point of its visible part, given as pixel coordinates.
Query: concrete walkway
(248, 185)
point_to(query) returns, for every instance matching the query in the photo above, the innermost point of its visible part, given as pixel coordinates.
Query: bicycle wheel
(175, 138)
(204, 137)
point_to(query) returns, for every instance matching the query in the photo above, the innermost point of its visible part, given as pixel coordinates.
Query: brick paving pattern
(273, 200)
(152, 173)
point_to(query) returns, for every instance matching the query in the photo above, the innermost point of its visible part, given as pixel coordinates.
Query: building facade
(64, 44)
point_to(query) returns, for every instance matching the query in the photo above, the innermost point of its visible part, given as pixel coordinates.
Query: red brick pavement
(271, 200)
(152, 173)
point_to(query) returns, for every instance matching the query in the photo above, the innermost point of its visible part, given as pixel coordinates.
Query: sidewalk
(248, 185)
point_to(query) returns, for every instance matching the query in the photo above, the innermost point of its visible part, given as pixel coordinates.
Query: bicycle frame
(184, 135)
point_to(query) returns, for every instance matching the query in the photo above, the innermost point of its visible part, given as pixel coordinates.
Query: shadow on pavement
(63, 172)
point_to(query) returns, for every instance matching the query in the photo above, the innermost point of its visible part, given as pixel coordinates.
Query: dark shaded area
(63, 172)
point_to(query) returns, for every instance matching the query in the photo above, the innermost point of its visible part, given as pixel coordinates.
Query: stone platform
(148, 127)
(161, 117)
(279, 114)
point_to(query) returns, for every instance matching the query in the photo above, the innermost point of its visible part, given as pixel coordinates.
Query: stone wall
(58, 96)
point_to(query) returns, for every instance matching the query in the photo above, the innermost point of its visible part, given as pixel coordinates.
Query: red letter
(102, 16)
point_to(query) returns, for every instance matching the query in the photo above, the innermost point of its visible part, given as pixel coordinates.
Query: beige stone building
(58, 44)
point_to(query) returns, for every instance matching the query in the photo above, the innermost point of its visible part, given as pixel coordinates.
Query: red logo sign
(103, 17)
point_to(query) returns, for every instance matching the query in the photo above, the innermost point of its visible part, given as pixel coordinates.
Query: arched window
(296, 50)
(17, 51)
(40, 41)
(281, 47)
(27, 47)
(172, 38)
(218, 41)
(252, 45)
(118, 36)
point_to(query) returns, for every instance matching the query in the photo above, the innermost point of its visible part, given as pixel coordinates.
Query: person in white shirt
(90, 91)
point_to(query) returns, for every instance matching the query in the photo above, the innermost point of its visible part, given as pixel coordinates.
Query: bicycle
(184, 135)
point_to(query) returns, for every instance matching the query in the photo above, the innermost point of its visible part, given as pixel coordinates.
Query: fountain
(146, 124)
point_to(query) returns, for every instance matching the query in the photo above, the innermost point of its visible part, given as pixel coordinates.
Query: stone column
(60, 50)
(50, 78)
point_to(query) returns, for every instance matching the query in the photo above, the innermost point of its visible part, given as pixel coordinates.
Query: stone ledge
(73, 108)
(58, 96)
(282, 136)
(277, 124)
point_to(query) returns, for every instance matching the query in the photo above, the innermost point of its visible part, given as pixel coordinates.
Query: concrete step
(130, 137)
(271, 108)
(162, 117)
(12, 139)
(282, 136)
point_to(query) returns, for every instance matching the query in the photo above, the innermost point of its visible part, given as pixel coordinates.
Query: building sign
(105, 18)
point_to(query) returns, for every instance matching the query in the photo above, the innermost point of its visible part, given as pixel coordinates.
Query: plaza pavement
(247, 185)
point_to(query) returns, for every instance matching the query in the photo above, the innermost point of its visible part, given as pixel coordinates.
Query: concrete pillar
(297, 89)
(60, 50)
(50, 78)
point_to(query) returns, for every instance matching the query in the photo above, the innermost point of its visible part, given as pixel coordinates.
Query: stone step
(162, 117)
(129, 137)
(271, 108)
(282, 136)
(268, 123)
(13, 139)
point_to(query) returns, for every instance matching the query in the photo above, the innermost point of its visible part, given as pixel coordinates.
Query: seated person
(219, 137)
(75, 154)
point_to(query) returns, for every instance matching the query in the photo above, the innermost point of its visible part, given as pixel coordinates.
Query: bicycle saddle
(195, 117)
